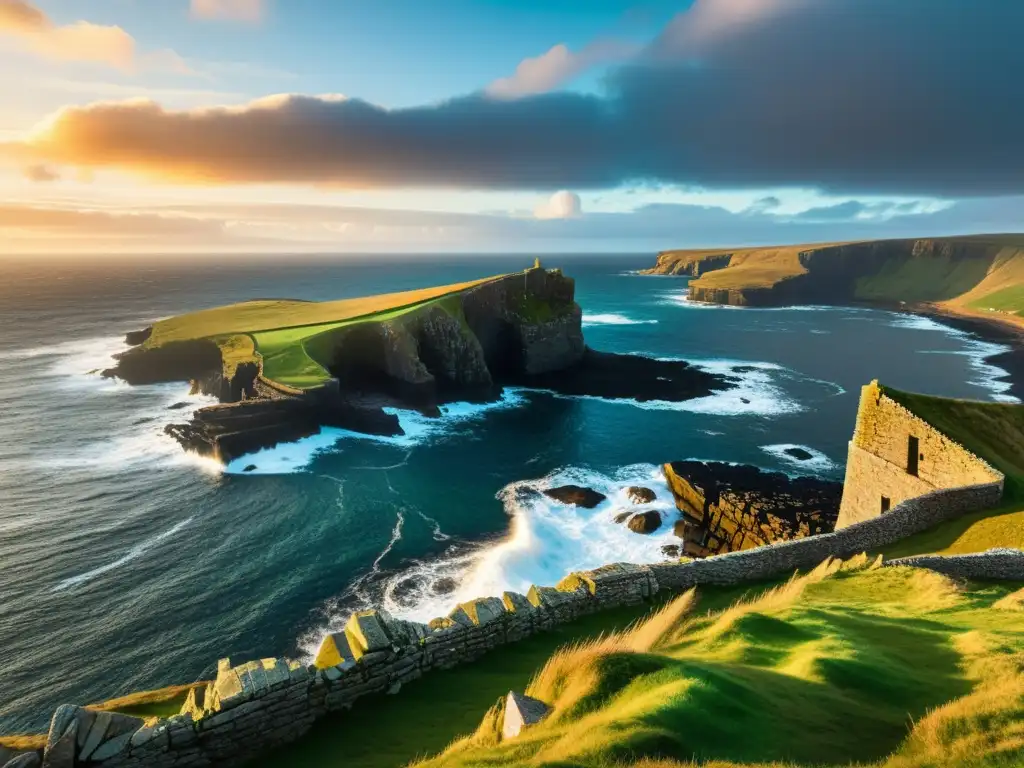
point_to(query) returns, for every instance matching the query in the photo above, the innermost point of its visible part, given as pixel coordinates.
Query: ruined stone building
(894, 456)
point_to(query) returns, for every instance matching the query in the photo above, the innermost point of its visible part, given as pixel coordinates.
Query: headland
(282, 369)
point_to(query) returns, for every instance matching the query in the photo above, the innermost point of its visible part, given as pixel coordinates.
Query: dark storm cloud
(921, 97)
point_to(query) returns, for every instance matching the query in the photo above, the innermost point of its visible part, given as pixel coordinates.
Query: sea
(127, 564)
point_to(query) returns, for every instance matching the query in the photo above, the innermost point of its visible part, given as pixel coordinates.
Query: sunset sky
(205, 126)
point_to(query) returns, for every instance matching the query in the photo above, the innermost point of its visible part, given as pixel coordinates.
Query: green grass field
(1005, 300)
(938, 278)
(390, 731)
(848, 665)
(290, 337)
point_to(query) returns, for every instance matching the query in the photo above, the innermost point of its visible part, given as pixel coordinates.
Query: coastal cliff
(523, 329)
(969, 275)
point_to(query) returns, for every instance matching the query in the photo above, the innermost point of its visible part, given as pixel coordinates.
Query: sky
(480, 126)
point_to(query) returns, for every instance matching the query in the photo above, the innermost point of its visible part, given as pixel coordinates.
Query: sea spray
(546, 540)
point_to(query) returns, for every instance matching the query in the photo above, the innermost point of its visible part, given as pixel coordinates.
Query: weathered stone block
(334, 650)
(366, 633)
(60, 750)
(521, 711)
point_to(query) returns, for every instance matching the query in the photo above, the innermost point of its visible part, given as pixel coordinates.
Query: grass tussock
(849, 664)
(162, 702)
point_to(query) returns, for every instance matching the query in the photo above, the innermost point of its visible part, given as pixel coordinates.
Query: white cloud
(80, 41)
(558, 66)
(561, 205)
(234, 10)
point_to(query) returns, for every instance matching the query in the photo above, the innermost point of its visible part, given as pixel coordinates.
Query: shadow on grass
(429, 713)
(856, 708)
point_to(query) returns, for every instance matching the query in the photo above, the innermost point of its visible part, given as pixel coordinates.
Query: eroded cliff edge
(971, 274)
(520, 330)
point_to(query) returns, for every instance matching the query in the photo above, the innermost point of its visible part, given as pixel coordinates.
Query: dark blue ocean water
(126, 565)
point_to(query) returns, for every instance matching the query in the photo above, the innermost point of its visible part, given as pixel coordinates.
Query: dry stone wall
(880, 471)
(253, 707)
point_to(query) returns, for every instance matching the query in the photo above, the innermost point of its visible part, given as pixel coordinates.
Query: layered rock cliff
(523, 329)
(728, 507)
(889, 271)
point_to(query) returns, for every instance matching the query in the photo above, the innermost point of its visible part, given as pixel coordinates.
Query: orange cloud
(41, 173)
(19, 15)
(558, 66)
(80, 41)
(236, 10)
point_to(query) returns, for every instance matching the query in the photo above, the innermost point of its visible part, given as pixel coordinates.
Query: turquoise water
(125, 564)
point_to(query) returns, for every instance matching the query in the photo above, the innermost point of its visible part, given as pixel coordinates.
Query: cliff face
(688, 263)
(728, 508)
(915, 270)
(465, 346)
(459, 347)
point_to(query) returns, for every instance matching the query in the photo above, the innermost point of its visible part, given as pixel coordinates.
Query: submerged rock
(178, 406)
(799, 454)
(623, 516)
(576, 495)
(444, 586)
(645, 522)
(672, 550)
(250, 468)
(637, 494)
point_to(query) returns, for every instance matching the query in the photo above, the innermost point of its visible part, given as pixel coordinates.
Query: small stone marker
(521, 711)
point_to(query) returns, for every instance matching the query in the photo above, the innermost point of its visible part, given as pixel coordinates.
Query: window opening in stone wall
(912, 455)
(886, 503)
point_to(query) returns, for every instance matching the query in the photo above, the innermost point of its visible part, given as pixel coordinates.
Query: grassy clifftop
(982, 275)
(850, 664)
(282, 334)
(995, 432)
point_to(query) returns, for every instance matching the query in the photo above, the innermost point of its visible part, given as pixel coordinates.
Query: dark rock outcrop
(729, 507)
(799, 454)
(134, 338)
(174, 361)
(637, 494)
(631, 377)
(576, 495)
(644, 522)
(227, 431)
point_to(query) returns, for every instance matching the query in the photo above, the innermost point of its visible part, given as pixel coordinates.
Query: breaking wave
(988, 376)
(613, 318)
(547, 540)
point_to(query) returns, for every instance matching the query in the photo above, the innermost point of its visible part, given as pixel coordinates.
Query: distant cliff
(973, 275)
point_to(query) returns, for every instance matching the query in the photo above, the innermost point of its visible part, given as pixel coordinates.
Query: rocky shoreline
(522, 330)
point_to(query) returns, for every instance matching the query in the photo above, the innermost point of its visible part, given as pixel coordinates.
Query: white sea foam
(295, 457)
(547, 540)
(132, 554)
(818, 462)
(612, 318)
(682, 299)
(977, 352)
